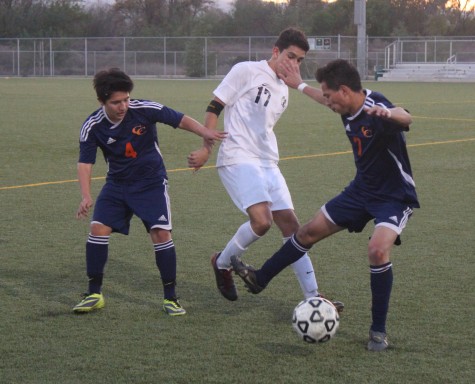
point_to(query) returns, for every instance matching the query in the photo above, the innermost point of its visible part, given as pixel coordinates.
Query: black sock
(289, 253)
(381, 285)
(97, 249)
(165, 257)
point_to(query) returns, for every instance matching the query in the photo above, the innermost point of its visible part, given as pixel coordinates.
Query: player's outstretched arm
(397, 114)
(210, 135)
(84, 177)
(289, 72)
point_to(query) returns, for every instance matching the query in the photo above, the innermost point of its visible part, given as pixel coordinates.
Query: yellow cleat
(90, 303)
(173, 307)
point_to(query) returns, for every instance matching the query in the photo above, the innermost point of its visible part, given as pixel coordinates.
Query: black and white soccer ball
(315, 320)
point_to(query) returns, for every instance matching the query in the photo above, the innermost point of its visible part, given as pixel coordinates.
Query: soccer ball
(315, 320)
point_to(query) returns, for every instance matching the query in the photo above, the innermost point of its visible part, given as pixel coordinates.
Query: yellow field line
(213, 166)
(443, 118)
(442, 142)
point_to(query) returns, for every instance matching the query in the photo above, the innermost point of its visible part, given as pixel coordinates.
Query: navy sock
(97, 249)
(165, 257)
(381, 285)
(289, 253)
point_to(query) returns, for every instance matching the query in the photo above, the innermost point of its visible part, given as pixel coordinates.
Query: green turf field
(42, 262)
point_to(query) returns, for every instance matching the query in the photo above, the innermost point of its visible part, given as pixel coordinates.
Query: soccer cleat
(339, 306)
(89, 303)
(173, 307)
(224, 280)
(247, 274)
(378, 341)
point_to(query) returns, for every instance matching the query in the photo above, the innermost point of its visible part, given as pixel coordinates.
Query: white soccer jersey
(255, 99)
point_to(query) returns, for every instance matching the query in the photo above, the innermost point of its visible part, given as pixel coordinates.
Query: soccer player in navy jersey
(383, 189)
(125, 130)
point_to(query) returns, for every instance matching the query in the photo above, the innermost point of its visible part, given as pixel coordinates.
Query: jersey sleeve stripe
(136, 104)
(89, 123)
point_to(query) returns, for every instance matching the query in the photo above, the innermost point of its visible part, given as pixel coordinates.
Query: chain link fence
(208, 57)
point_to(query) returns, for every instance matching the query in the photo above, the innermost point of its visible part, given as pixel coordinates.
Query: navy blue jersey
(130, 147)
(383, 170)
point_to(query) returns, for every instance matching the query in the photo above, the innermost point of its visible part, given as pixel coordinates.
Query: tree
(379, 18)
(166, 17)
(257, 18)
(40, 18)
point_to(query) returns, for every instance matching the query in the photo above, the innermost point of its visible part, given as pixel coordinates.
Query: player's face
(117, 105)
(337, 101)
(290, 54)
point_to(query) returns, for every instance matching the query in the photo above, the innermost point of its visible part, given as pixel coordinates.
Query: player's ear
(345, 90)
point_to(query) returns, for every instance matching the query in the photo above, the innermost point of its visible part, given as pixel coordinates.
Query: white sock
(239, 243)
(305, 273)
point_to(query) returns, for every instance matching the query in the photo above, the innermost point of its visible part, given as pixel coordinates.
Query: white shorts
(249, 184)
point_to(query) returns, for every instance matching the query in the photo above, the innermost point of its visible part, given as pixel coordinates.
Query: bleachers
(429, 72)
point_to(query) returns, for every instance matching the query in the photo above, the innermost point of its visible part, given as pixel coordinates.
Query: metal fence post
(165, 56)
(18, 56)
(206, 57)
(85, 56)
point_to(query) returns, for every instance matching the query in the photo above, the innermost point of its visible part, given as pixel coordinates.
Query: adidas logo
(162, 218)
(111, 140)
(393, 218)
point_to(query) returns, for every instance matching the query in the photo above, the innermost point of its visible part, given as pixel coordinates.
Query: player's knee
(306, 236)
(261, 225)
(377, 255)
(160, 236)
(99, 229)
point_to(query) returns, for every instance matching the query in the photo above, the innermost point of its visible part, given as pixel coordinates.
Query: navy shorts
(148, 200)
(352, 209)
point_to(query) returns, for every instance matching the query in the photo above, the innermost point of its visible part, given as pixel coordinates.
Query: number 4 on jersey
(130, 151)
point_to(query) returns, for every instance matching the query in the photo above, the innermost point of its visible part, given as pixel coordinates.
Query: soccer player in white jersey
(254, 98)
(383, 189)
(136, 184)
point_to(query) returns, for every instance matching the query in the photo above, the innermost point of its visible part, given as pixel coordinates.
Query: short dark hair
(337, 73)
(111, 80)
(292, 36)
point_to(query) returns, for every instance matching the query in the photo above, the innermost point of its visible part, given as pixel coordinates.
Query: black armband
(215, 107)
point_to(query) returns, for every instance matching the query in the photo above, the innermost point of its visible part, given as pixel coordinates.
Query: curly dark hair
(109, 81)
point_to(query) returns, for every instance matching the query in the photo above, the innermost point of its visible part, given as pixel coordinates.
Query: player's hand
(289, 72)
(211, 135)
(84, 206)
(378, 111)
(198, 158)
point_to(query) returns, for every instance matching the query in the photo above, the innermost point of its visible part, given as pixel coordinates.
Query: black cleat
(224, 280)
(247, 274)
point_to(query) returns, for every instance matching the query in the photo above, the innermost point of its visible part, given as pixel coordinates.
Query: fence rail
(209, 57)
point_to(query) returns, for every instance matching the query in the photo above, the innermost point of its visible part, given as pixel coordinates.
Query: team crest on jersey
(367, 132)
(138, 130)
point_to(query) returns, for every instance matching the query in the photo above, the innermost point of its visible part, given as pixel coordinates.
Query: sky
(226, 4)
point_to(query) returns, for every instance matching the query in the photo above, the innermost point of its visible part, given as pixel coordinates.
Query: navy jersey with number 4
(383, 170)
(130, 147)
